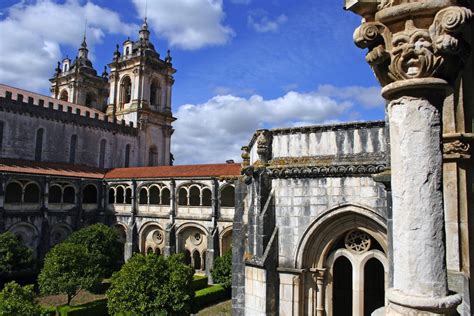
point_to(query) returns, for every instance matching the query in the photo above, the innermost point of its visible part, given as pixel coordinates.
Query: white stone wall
(299, 202)
(255, 291)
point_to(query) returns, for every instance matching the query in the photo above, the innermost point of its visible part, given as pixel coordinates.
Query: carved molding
(326, 171)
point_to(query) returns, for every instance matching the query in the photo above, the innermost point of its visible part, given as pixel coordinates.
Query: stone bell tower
(77, 81)
(419, 52)
(140, 92)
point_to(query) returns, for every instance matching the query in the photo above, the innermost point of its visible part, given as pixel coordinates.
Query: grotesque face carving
(412, 54)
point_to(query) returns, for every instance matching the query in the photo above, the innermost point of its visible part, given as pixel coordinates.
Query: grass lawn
(81, 298)
(221, 309)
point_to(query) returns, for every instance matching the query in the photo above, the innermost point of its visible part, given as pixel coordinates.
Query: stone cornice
(457, 146)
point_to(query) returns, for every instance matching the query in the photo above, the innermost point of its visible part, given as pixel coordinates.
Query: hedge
(209, 295)
(199, 282)
(96, 308)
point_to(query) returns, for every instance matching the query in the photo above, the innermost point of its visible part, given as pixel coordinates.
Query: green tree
(103, 242)
(222, 270)
(69, 268)
(151, 285)
(17, 300)
(13, 255)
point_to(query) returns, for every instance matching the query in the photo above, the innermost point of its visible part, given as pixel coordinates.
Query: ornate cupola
(78, 82)
(144, 33)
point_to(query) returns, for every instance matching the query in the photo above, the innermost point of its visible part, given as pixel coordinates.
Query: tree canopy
(151, 285)
(17, 300)
(103, 242)
(13, 255)
(69, 268)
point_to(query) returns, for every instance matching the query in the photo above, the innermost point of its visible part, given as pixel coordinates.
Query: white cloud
(187, 24)
(262, 23)
(241, 1)
(32, 35)
(368, 97)
(216, 130)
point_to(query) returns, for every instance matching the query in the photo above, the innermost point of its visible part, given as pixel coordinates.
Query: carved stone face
(413, 55)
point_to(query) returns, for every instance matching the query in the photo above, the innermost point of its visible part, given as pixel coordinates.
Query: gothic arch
(320, 236)
(151, 235)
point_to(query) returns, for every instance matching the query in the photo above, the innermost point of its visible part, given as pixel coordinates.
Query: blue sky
(242, 64)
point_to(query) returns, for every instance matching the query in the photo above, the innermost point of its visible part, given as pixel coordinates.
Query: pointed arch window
(1, 136)
(72, 149)
(153, 156)
(103, 143)
(127, 155)
(39, 144)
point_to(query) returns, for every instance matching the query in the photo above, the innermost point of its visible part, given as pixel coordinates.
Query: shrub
(18, 300)
(222, 270)
(103, 242)
(13, 255)
(199, 282)
(69, 268)
(150, 285)
(210, 295)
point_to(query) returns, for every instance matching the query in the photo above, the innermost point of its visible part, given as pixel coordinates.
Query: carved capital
(457, 146)
(413, 39)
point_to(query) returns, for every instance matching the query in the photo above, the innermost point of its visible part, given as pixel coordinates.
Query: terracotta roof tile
(50, 168)
(179, 171)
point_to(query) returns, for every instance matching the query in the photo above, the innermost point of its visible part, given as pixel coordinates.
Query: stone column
(319, 276)
(416, 51)
(170, 232)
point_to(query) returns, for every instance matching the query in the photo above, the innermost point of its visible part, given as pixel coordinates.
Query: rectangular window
(72, 149)
(102, 153)
(39, 144)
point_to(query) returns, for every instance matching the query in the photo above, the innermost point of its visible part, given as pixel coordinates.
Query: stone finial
(245, 156)
(413, 39)
(168, 58)
(264, 149)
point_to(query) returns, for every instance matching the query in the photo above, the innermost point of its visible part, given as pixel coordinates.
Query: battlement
(19, 100)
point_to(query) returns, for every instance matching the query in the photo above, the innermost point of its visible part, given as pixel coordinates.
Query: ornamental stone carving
(264, 148)
(456, 147)
(245, 156)
(406, 40)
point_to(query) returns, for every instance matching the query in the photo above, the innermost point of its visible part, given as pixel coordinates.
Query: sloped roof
(50, 168)
(179, 171)
(80, 171)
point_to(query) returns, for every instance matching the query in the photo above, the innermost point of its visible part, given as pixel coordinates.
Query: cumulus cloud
(188, 24)
(262, 23)
(368, 97)
(34, 32)
(215, 131)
